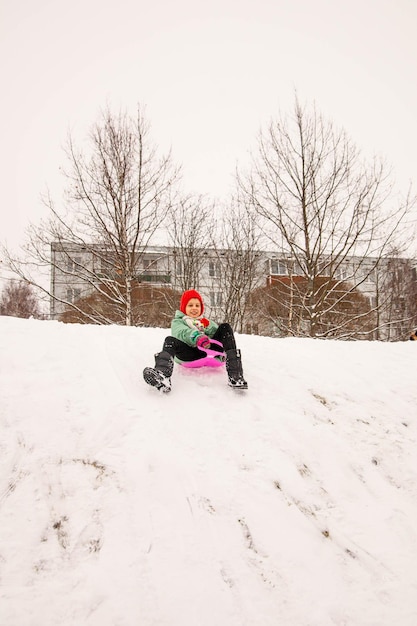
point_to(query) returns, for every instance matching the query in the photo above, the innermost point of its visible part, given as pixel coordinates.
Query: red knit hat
(186, 297)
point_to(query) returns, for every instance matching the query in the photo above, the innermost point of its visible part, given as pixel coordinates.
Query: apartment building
(76, 269)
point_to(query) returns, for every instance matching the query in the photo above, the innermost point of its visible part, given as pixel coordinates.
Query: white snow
(291, 504)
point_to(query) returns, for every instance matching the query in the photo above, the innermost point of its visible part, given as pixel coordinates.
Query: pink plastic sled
(209, 360)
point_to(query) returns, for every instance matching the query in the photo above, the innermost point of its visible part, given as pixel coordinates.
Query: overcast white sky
(209, 74)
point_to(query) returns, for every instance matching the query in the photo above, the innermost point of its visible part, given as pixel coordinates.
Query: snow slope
(291, 504)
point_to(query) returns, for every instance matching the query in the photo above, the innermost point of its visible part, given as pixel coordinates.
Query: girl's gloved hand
(203, 342)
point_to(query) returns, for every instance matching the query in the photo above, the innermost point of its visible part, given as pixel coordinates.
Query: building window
(179, 269)
(105, 266)
(278, 267)
(215, 298)
(282, 267)
(341, 273)
(214, 269)
(73, 295)
(150, 264)
(372, 277)
(73, 263)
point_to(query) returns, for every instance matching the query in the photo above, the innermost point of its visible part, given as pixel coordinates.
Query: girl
(190, 331)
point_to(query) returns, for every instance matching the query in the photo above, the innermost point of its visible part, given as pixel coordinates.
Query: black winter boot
(234, 370)
(160, 375)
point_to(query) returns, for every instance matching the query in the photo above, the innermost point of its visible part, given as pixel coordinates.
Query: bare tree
(270, 308)
(18, 299)
(396, 294)
(117, 198)
(151, 306)
(189, 231)
(321, 207)
(238, 260)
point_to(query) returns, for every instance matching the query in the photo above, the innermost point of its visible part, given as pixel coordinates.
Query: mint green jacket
(182, 331)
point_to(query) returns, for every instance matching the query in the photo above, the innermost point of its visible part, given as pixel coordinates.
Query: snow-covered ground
(291, 504)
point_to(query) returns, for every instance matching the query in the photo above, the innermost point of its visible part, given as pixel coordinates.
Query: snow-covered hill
(291, 504)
